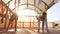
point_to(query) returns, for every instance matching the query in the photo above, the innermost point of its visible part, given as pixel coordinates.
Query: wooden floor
(29, 31)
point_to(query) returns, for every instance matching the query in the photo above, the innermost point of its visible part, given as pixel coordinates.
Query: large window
(27, 18)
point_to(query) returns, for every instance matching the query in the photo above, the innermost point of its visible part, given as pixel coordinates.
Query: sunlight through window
(27, 17)
(25, 14)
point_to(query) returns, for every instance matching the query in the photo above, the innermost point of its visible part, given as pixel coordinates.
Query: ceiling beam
(8, 2)
(52, 3)
(7, 7)
(45, 3)
(31, 5)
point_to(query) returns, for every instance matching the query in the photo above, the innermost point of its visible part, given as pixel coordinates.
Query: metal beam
(45, 3)
(7, 7)
(52, 3)
(31, 5)
(8, 2)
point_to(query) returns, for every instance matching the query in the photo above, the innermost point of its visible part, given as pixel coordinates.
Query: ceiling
(37, 5)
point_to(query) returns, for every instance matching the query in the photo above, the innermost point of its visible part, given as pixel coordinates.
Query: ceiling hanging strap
(27, 4)
(18, 2)
(15, 5)
(35, 4)
(35, 7)
(18, 5)
(39, 2)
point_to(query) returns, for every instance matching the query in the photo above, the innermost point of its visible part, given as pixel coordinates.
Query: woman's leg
(42, 26)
